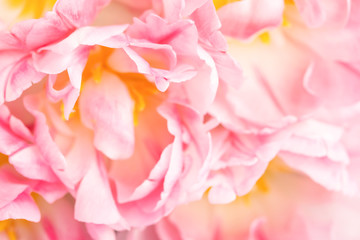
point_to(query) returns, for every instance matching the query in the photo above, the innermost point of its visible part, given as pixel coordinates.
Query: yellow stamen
(11, 235)
(96, 63)
(140, 88)
(246, 199)
(265, 38)
(262, 185)
(220, 3)
(138, 85)
(7, 226)
(62, 109)
(3, 159)
(72, 114)
(285, 22)
(97, 73)
(32, 8)
(3, 225)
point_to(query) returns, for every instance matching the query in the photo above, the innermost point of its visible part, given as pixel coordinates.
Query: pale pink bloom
(277, 112)
(284, 205)
(314, 47)
(99, 102)
(105, 126)
(163, 52)
(164, 166)
(137, 117)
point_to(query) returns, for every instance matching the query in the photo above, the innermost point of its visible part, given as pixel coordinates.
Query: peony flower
(179, 119)
(111, 120)
(276, 112)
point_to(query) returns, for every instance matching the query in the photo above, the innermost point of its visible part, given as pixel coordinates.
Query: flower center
(262, 186)
(7, 227)
(31, 8)
(139, 87)
(220, 3)
(3, 159)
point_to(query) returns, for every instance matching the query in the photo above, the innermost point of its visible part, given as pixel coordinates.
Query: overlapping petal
(189, 120)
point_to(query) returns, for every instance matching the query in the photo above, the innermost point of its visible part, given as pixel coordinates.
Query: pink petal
(166, 229)
(18, 77)
(311, 12)
(153, 181)
(51, 192)
(36, 33)
(30, 163)
(10, 142)
(181, 35)
(199, 91)
(336, 84)
(79, 13)
(228, 69)
(208, 26)
(23, 207)
(172, 9)
(142, 234)
(98, 232)
(71, 55)
(77, 160)
(329, 13)
(191, 6)
(243, 19)
(256, 231)
(332, 175)
(108, 109)
(221, 195)
(43, 139)
(68, 95)
(11, 187)
(94, 199)
(58, 221)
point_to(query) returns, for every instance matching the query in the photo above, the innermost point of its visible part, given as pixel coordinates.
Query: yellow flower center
(31, 8)
(8, 227)
(139, 87)
(220, 3)
(265, 37)
(262, 186)
(3, 159)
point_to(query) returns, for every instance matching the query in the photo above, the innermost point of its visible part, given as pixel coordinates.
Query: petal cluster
(179, 119)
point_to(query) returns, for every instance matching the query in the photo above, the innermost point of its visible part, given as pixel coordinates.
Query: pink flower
(282, 205)
(179, 119)
(278, 113)
(115, 96)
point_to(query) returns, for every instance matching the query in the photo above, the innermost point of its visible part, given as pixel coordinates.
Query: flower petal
(108, 108)
(243, 19)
